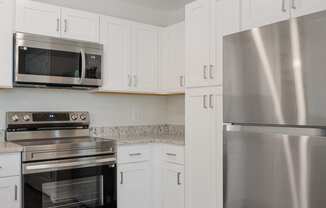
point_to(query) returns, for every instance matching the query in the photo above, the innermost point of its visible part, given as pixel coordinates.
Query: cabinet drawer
(173, 154)
(9, 164)
(133, 153)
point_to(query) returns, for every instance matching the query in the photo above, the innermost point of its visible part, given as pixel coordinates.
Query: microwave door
(47, 66)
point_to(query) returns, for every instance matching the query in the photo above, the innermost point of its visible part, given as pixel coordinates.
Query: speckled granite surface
(167, 134)
(8, 147)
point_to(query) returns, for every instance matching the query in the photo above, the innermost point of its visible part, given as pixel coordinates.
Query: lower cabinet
(134, 185)
(173, 186)
(150, 176)
(10, 190)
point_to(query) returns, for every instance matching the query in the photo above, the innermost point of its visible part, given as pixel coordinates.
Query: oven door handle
(59, 165)
(83, 72)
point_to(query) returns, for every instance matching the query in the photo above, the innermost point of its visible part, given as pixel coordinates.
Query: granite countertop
(176, 140)
(8, 147)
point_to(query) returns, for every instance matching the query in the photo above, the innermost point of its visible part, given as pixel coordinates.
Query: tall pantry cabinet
(207, 21)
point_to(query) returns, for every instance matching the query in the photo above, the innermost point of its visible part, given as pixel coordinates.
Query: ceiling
(160, 4)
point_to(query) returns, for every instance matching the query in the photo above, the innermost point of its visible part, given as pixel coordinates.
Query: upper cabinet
(131, 56)
(7, 28)
(38, 18)
(172, 71)
(256, 13)
(303, 7)
(200, 44)
(45, 19)
(116, 37)
(145, 57)
(80, 25)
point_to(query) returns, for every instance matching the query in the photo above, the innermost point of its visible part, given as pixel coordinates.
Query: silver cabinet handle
(135, 154)
(211, 105)
(204, 101)
(16, 192)
(58, 24)
(135, 81)
(205, 72)
(211, 68)
(181, 81)
(284, 6)
(66, 25)
(121, 178)
(129, 80)
(171, 154)
(294, 4)
(178, 179)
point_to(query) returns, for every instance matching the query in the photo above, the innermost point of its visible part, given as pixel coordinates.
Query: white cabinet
(116, 37)
(145, 57)
(6, 34)
(172, 71)
(80, 25)
(303, 7)
(10, 180)
(173, 186)
(38, 18)
(134, 185)
(131, 56)
(10, 189)
(49, 20)
(203, 147)
(256, 13)
(200, 44)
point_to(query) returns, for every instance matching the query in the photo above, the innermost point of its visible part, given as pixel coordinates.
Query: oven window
(92, 187)
(34, 61)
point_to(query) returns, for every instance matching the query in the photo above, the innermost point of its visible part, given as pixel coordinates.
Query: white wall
(176, 110)
(105, 109)
(118, 8)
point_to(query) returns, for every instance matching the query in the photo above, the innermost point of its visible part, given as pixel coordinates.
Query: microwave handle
(83, 69)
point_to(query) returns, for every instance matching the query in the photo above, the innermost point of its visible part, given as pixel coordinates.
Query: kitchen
(131, 102)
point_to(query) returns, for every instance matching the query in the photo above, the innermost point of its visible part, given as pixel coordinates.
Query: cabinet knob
(205, 72)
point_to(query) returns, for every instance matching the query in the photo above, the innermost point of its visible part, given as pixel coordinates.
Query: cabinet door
(173, 186)
(202, 111)
(116, 35)
(303, 7)
(256, 13)
(6, 33)
(80, 25)
(173, 58)
(134, 185)
(38, 18)
(197, 43)
(10, 192)
(145, 40)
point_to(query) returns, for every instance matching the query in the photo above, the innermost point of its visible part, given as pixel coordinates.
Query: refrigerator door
(276, 75)
(274, 168)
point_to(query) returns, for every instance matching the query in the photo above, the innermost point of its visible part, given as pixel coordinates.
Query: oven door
(73, 183)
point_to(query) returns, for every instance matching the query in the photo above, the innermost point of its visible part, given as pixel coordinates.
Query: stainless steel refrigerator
(275, 115)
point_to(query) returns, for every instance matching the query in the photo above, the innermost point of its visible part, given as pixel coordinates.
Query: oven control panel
(47, 117)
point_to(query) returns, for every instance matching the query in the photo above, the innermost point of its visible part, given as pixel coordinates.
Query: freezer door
(274, 168)
(277, 74)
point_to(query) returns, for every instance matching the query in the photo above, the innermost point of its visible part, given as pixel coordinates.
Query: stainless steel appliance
(46, 61)
(62, 165)
(274, 115)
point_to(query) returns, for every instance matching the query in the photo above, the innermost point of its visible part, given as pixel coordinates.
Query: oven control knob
(83, 117)
(27, 118)
(74, 117)
(15, 118)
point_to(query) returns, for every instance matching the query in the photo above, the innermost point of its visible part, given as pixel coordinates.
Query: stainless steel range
(62, 165)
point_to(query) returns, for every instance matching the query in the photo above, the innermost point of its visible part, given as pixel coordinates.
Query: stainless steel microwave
(47, 61)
